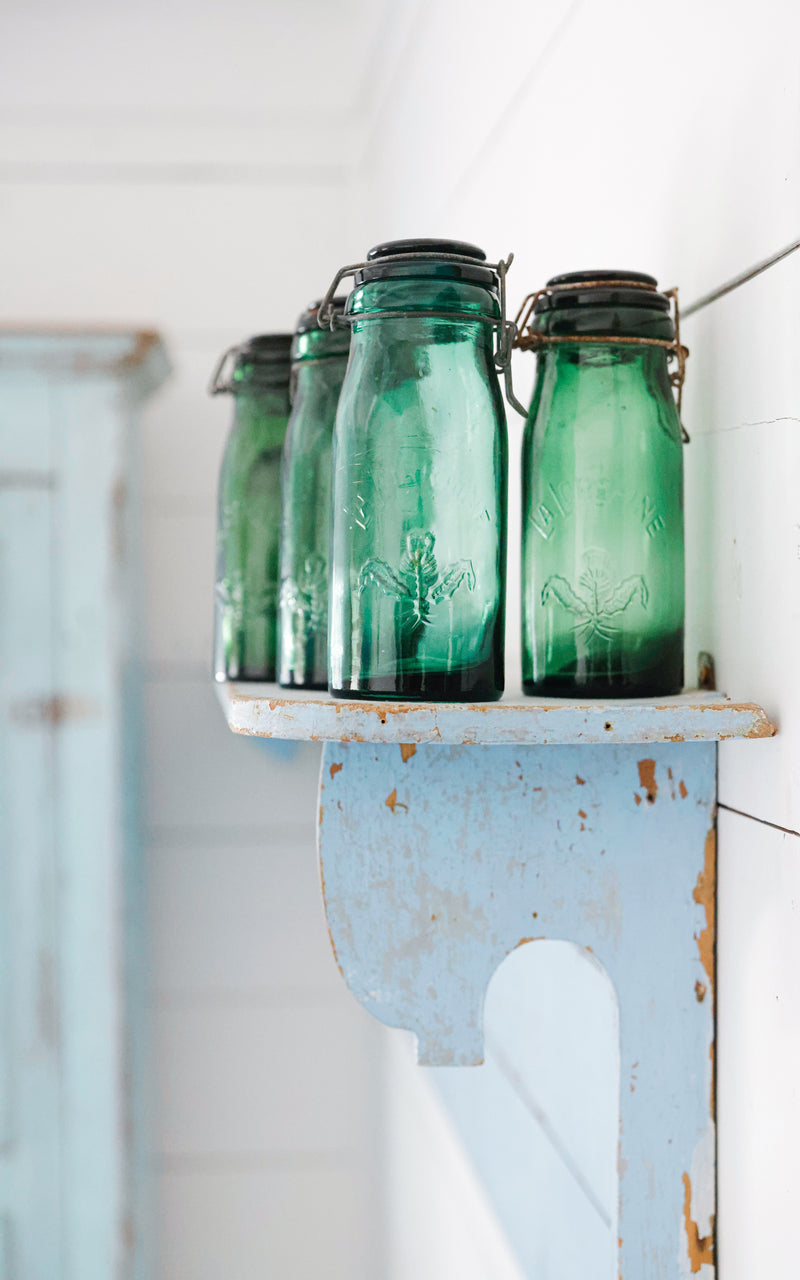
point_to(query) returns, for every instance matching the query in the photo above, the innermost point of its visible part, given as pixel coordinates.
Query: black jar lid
(263, 360)
(308, 320)
(264, 348)
(605, 288)
(427, 256)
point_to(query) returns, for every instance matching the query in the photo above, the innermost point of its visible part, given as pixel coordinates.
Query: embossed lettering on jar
(418, 550)
(602, 530)
(256, 374)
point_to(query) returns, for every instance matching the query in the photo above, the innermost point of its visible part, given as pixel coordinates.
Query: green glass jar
(602, 480)
(256, 374)
(420, 470)
(319, 359)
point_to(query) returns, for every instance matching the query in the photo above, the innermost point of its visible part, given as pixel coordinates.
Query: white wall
(623, 134)
(149, 174)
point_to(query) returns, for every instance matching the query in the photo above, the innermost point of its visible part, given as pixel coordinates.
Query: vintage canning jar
(319, 359)
(602, 477)
(419, 493)
(256, 374)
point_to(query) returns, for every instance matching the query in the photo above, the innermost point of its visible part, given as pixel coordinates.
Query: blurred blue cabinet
(71, 976)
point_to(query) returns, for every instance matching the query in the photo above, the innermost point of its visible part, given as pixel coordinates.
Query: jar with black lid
(602, 476)
(256, 374)
(419, 493)
(319, 360)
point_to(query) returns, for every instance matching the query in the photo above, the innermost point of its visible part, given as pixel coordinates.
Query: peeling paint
(393, 803)
(705, 896)
(336, 768)
(580, 781)
(407, 750)
(700, 991)
(701, 1248)
(320, 717)
(682, 789)
(647, 779)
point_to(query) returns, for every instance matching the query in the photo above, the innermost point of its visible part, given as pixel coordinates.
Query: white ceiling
(256, 60)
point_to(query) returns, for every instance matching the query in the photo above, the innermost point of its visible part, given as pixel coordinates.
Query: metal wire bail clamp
(217, 384)
(528, 339)
(328, 318)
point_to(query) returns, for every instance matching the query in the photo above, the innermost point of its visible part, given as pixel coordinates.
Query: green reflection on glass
(248, 531)
(602, 538)
(418, 573)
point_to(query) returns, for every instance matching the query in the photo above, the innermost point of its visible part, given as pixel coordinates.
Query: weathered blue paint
(267, 711)
(72, 1165)
(438, 861)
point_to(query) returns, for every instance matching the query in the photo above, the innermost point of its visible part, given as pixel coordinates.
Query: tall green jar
(602, 479)
(256, 374)
(420, 462)
(319, 359)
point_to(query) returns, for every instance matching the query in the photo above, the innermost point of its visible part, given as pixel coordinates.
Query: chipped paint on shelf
(268, 711)
(438, 866)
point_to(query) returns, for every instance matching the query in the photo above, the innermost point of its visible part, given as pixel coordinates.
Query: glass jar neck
(430, 296)
(319, 376)
(320, 344)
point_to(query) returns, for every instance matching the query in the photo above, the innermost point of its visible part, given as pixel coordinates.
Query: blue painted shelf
(452, 834)
(267, 711)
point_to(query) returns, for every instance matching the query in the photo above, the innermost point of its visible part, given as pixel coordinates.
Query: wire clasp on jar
(527, 338)
(327, 317)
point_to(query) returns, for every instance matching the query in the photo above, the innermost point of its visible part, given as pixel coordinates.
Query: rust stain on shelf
(682, 789)
(647, 779)
(700, 991)
(407, 750)
(580, 781)
(701, 1248)
(336, 768)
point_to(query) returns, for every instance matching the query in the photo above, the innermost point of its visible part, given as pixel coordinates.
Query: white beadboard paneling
(238, 1080)
(227, 146)
(742, 408)
(231, 920)
(604, 183)
(184, 429)
(192, 256)
(200, 775)
(758, 951)
(441, 1225)
(179, 587)
(430, 126)
(265, 1224)
(753, 598)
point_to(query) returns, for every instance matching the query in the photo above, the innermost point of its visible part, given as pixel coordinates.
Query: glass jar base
(623, 686)
(472, 684)
(314, 686)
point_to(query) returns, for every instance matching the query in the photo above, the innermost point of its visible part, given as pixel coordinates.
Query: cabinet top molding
(267, 711)
(82, 351)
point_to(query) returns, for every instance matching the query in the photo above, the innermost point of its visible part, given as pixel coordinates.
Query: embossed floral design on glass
(319, 360)
(418, 550)
(602, 477)
(249, 512)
